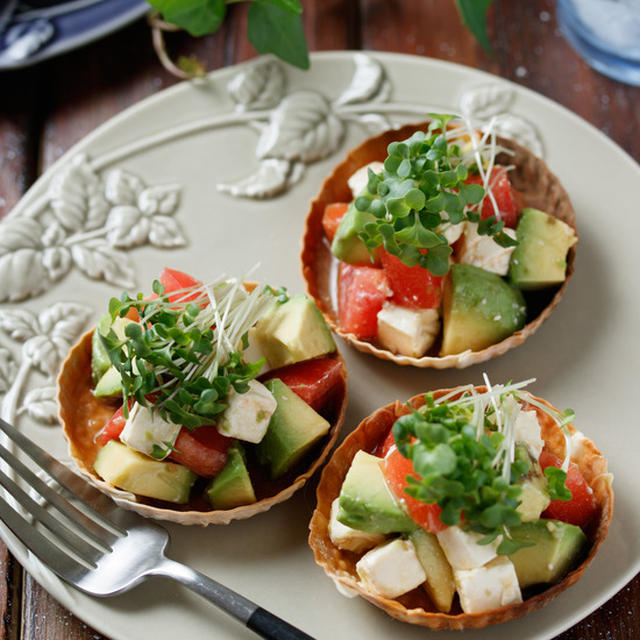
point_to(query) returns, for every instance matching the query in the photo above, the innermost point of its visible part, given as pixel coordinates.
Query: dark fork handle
(256, 618)
(268, 626)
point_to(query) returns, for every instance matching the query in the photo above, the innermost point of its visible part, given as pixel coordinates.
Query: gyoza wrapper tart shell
(415, 607)
(531, 176)
(82, 416)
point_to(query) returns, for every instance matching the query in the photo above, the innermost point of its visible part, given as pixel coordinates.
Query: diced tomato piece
(361, 293)
(333, 214)
(203, 450)
(312, 380)
(113, 428)
(500, 186)
(582, 507)
(412, 286)
(396, 469)
(174, 280)
(133, 314)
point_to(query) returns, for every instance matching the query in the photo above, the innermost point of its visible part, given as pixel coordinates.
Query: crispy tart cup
(82, 416)
(531, 176)
(415, 607)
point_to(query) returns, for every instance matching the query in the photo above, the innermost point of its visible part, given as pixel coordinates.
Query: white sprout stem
(511, 409)
(497, 391)
(563, 427)
(455, 392)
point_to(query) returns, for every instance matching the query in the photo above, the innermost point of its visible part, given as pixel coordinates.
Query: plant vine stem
(386, 107)
(236, 117)
(81, 237)
(10, 401)
(186, 129)
(158, 27)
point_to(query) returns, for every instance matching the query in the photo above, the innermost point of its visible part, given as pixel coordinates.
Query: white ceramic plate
(181, 144)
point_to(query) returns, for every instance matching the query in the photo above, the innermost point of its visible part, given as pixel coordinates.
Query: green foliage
(474, 16)
(274, 26)
(421, 186)
(171, 361)
(198, 17)
(461, 471)
(556, 488)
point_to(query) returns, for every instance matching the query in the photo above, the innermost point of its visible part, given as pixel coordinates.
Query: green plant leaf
(198, 17)
(271, 29)
(293, 6)
(474, 16)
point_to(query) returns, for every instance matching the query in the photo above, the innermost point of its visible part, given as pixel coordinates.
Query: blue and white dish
(41, 29)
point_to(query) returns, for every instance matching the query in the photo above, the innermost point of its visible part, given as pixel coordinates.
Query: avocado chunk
(539, 260)
(232, 486)
(293, 429)
(132, 471)
(366, 502)
(440, 584)
(100, 361)
(110, 384)
(346, 245)
(292, 332)
(557, 547)
(478, 309)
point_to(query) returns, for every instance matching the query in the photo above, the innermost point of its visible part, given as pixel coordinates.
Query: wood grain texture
(46, 109)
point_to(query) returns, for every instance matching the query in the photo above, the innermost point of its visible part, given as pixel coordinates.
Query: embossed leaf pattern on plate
(97, 259)
(8, 369)
(40, 404)
(368, 82)
(82, 220)
(259, 85)
(47, 338)
(302, 127)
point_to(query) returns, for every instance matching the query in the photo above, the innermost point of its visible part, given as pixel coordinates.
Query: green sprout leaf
(556, 487)
(456, 468)
(421, 187)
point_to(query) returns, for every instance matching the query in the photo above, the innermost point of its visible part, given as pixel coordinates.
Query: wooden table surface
(46, 109)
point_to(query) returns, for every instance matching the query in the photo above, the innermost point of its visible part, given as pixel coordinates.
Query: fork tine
(50, 555)
(94, 501)
(90, 529)
(75, 543)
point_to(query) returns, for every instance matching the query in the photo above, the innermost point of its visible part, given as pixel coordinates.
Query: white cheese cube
(527, 430)
(409, 332)
(391, 569)
(484, 252)
(247, 415)
(451, 232)
(359, 180)
(145, 431)
(490, 587)
(253, 352)
(462, 548)
(578, 442)
(345, 537)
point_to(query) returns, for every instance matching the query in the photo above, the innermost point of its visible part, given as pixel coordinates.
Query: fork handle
(259, 620)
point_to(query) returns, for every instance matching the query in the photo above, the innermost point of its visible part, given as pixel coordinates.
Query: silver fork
(103, 549)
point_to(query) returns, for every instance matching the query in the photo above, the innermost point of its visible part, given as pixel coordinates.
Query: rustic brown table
(46, 109)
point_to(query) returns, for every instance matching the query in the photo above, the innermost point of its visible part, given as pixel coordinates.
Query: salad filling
(204, 396)
(462, 503)
(437, 252)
